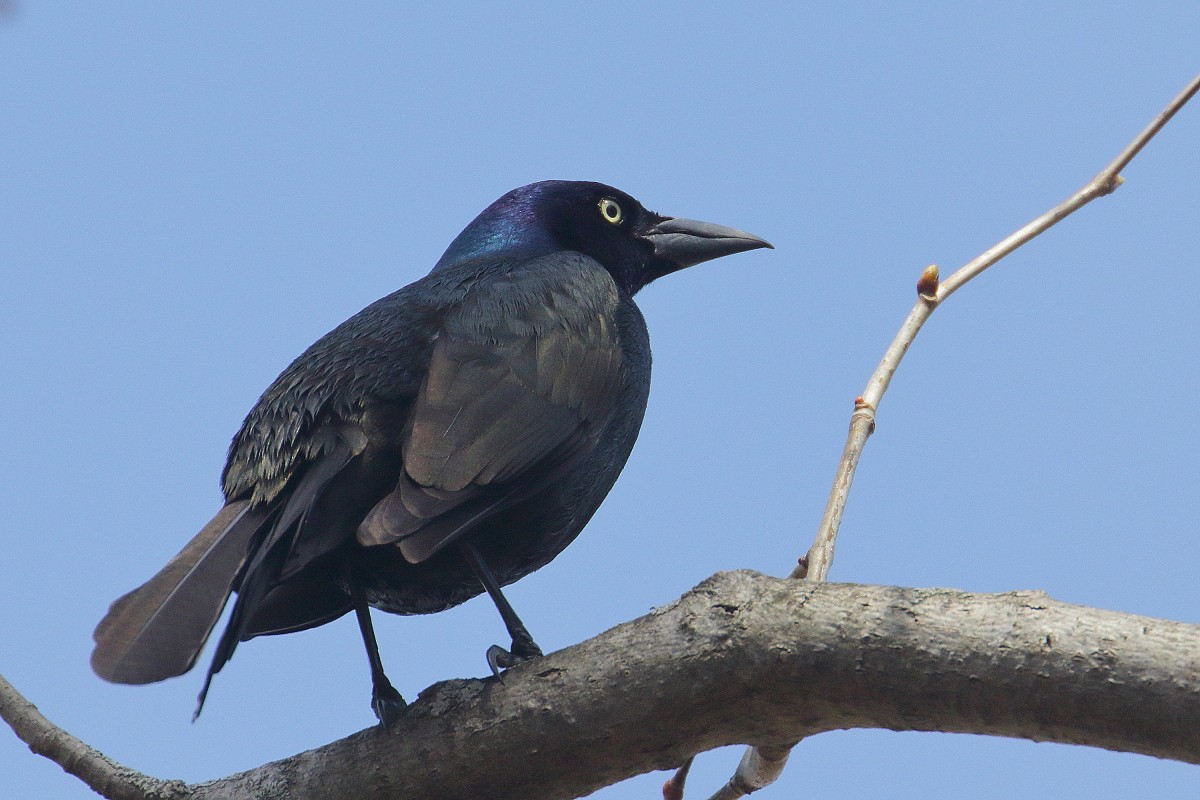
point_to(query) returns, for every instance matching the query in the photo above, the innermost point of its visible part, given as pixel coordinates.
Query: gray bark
(745, 658)
(742, 658)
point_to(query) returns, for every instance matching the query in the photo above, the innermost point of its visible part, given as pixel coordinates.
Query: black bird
(446, 440)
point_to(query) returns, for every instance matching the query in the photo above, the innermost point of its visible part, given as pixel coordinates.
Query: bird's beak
(685, 242)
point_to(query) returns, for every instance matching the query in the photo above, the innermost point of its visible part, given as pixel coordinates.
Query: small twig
(759, 767)
(815, 565)
(101, 774)
(862, 422)
(673, 788)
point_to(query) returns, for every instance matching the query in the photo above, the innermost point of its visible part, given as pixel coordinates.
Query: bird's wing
(521, 379)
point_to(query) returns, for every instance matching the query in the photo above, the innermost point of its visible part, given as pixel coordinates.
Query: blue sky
(192, 193)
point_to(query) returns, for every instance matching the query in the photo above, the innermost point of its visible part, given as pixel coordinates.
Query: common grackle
(446, 440)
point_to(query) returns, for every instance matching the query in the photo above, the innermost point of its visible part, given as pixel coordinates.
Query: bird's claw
(522, 650)
(387, 703)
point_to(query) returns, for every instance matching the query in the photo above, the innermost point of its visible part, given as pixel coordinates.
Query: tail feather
(157, 630)
(285, 524)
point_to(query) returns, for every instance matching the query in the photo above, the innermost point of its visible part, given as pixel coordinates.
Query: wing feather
(521, 380)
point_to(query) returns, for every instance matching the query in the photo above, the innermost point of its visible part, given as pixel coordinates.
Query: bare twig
(751, 773)
(759, 767)
(102, 775)
(862, 422)
(673, 788)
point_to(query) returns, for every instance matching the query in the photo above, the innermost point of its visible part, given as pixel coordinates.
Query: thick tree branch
(752, 659)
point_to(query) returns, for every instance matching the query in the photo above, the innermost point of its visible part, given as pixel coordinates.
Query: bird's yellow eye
(611, 211)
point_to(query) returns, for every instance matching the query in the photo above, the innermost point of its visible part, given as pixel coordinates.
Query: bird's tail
(157, 630)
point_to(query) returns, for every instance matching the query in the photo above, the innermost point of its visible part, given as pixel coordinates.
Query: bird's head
(633, 243)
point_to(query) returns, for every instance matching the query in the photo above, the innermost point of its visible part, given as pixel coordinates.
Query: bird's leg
(523, 646)
(386, 702)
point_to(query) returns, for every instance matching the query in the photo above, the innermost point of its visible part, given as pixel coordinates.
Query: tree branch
(752, 659)
(104, 776)
(930, 296)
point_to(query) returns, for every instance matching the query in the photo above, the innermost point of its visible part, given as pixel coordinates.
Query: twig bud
(927, 284)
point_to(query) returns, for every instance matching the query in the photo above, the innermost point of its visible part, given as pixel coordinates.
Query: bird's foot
(386, 702)
(523, 649)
